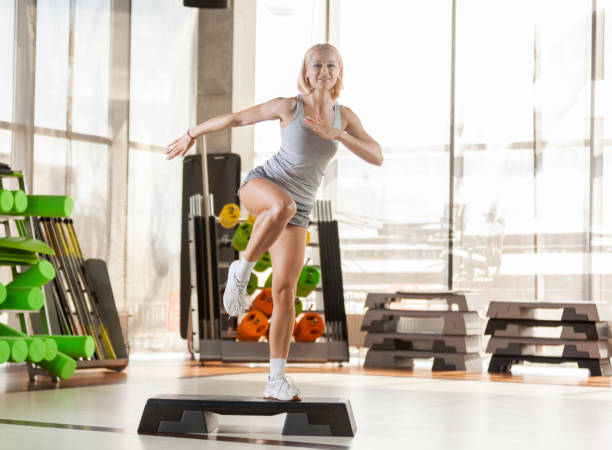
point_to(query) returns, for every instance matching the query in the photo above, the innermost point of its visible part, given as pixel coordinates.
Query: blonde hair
(304, 86)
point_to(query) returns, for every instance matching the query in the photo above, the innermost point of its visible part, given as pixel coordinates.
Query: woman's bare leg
(287, 261)
(273, 207)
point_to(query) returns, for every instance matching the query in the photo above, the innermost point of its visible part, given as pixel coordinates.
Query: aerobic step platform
(548, 328)
(570, 311)
(199, 414)
(454, 300)
(549, 332)
(443, 329)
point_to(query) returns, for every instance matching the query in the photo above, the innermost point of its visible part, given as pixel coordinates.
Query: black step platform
(181, 413)
(596, 367)
(567, 329)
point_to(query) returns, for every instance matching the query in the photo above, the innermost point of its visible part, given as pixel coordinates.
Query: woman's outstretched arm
(274, 109)
(355, 138)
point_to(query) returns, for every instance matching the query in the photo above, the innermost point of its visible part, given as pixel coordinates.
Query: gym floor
(561, 408)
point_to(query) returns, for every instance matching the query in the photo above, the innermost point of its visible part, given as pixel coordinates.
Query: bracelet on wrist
(190, 136)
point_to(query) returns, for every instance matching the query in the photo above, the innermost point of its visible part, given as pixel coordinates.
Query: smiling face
(321, 71)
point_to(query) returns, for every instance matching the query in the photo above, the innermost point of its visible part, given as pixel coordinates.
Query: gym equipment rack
(549, 332)
(84, 281)
(213, 342)
(447, 331)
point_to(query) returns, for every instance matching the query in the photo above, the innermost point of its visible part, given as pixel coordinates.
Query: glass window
(153, 249)
(7, 41)
(515, 217)
(563, 93)
(300, 24)
(7, 14)
(162, 70)
(89, 174)
(91, 67)
(602, 235)
(494, 189)
(5, 146)
(397, 80)
(162, 99)
(52, 64)
(50, 155)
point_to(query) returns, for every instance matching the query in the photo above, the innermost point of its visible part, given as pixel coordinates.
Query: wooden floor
(15, 377)
(417, 409)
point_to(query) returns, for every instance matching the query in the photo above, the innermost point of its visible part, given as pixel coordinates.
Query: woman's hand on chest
(322, 127)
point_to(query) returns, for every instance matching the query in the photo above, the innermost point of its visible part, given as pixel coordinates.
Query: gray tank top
(300, 163)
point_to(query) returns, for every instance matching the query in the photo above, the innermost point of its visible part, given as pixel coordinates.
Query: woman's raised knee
(283, 210)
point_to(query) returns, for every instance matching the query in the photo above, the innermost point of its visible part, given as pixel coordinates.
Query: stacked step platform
(445, 330)
(553, 333)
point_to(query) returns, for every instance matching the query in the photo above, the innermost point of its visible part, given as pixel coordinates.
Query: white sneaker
(235, 296)
(281, 388)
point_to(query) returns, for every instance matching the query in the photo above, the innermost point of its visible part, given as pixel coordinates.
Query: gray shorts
(302, 216)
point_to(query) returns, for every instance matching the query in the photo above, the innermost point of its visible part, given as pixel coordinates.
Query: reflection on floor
(543, 408)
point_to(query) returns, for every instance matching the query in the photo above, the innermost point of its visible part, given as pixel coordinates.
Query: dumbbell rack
(214, 338)
(547, 332)
(447, 331)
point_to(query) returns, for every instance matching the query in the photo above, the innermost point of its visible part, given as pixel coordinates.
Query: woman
(281, 192)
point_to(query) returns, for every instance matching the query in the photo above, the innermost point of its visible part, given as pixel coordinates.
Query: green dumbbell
(308, 281)
(299, 307)
(252, 284)
(268, 283)
(264, 262)
(242, 236)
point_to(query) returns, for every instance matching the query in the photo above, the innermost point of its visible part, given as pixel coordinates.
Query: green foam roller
(50, 345)
(241, 236)
(2, 293)
(75, 346)
(19, 348)
(264, 262)
(49, 206)
(6, 201)
(24, 246)
(23, 299)
(62, 366)
(40, 273)
(20, 201)
(51, 348)
(5, 330)
(5, 352)
(37, 350)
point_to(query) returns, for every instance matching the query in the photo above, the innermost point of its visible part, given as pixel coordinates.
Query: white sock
(277, 367)
(244, 269)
